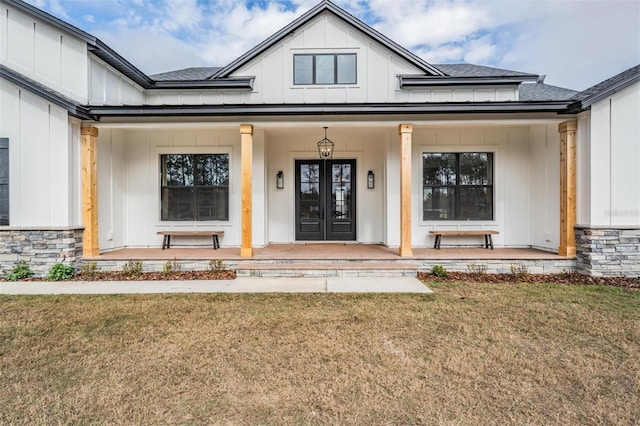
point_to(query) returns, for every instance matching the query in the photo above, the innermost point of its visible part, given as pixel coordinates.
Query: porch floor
(327, 251)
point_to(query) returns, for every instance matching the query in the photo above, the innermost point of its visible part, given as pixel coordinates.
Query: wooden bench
(488, 241)
(166, 242)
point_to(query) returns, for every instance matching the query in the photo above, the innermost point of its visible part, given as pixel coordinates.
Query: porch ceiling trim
(338, 109)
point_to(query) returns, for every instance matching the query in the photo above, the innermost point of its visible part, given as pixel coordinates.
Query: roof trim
(52, 96)
(587, 102)
(320, 109)
(328, 6)
(411, 81)
(240, 83)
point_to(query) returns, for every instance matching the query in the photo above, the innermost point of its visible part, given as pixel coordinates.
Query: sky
(575, 43)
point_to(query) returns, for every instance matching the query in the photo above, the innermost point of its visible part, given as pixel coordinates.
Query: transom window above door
(194, 187)
(324, 68)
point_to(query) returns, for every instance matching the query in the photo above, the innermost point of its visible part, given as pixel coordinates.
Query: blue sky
(576, 43)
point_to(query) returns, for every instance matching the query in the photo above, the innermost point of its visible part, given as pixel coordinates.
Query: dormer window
(324, 68)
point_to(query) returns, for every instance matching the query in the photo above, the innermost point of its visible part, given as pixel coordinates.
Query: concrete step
(326, 269)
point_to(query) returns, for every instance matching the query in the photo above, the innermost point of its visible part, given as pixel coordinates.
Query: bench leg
(490, 241)
(166, 242)
(486, 241)
(216, 242)
(436, 244)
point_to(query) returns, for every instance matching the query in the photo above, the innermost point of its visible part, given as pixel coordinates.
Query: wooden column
(246, 147)
(90, 246)
(567, 188)
(405, 131)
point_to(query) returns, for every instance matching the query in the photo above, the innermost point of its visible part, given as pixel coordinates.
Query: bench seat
(488, 241)
(166, 242)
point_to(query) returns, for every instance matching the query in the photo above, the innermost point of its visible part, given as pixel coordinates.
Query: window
(458, 186)
(324, 68)
(195, 186)
(4, 181)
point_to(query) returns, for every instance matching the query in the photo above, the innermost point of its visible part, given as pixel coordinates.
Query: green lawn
(467, 354)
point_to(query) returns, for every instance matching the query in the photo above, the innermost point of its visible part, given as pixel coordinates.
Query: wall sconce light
(371, 180)
(280, 180)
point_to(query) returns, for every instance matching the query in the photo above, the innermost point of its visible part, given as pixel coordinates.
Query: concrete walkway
(239, 285)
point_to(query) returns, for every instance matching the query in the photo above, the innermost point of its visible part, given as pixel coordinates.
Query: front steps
(309, 269)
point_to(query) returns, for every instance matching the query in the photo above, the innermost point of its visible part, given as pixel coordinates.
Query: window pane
(346, 69)
(325, 69)
(474, 168)
(177, 204)
(178, 170)
(439, 203)
(213, 203)
(475, 203)
(303, 69)
(439, 169)
(4, 204)
(213, 169)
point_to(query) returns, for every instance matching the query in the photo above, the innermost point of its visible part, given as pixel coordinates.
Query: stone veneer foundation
(40, 248)
(608, 251)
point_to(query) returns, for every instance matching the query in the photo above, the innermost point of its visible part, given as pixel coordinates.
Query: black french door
(325, 200)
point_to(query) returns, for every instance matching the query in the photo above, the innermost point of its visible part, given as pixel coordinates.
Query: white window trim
(498, 187)
(189, 224)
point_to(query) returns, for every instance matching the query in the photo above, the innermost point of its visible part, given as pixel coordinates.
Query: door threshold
(326, 242)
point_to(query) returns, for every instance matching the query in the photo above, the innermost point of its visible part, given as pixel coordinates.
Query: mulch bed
(149, 276)
(563, 278)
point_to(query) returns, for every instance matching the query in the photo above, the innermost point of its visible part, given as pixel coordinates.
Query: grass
(468, 354)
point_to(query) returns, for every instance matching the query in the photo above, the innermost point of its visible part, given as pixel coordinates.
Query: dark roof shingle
(544, 92)
(186, 74)
(624, 78)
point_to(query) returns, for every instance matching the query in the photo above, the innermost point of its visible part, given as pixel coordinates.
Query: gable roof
(608, 87)
(327, 6)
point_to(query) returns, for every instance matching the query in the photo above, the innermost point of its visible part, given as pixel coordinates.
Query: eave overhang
(328, 109)
(56, 98)
(423, 81)
(231, 83)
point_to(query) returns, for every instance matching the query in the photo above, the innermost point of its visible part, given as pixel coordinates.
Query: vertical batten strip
(246, 148)
(405, 131)
(90, 246)
(567, 188)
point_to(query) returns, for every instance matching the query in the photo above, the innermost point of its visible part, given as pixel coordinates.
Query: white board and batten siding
(129, 185)
(526, 184)
(612, 157)
(44, 181)
(109, 87)
(377, 70)
(43, 53)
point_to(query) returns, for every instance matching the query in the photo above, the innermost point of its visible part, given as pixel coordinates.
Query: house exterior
(95, 155)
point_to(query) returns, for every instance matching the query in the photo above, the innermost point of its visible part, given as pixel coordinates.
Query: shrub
(519, 270)
(89, 269)
(439, 271)
(132, 267)
(171, 266)
(479, 269)
(61, 272)
(19, 272)
(217, 265)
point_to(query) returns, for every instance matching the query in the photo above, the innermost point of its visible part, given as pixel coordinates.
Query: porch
(341, 259)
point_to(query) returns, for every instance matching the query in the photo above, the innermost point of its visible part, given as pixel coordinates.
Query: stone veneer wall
(40, 248)
(608, 251)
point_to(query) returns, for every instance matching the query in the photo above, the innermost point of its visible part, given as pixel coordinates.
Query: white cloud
(576, 43)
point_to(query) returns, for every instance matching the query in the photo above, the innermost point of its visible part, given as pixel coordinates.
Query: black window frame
(458, 185)
(197, 190)
(4, 182)
(335, 69)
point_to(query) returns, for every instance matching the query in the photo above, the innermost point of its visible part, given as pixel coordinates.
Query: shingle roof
(471, 70)
(186, 74)
(617, 82)
(544, 92)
